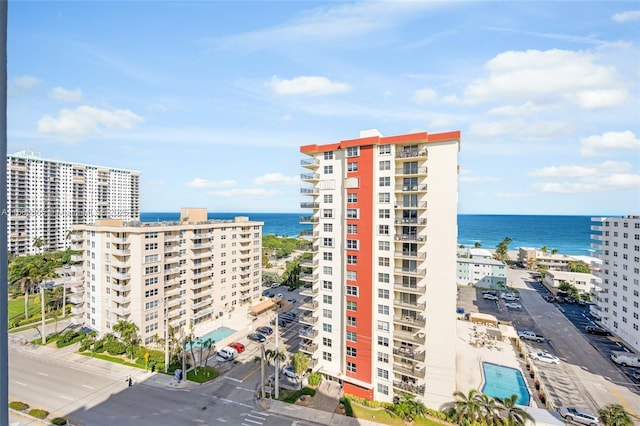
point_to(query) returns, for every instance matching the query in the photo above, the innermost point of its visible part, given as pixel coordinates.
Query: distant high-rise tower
(382, 320)
(618, 302)
(46, 197)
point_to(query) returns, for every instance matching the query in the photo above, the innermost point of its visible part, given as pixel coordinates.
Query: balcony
(174, 302)
(119, 240)
(170, 238)
(201, 304)
(313, 362)
(77, 309)
(120, 287)
(411, 221)
(172, 292)
(196, 246)
(409, 320)
(408, 353)
(308, 320)
(411, 171)
(309, 191)
(77, 289)
(202, 284)
(414, 289)
(304, 205)
(409, 304)
(309, 219)
(411, 205)
(118, 262)
(120, 275)
(173, 314)
(411, 272)
(309, 292)
(306, 277)
(204, 274)
(411, 153)
(411, 188)
(202, 313)
(310, 164)
(310, 306)
(407, 369)
(76, 299)
(410, 237)
(410, 254)
(406, 336)
(409, 387)
(201, 235)
(120, 299)
(310, 177)
(176, 323)
(76, 279)
(307, 333)
(309, 348)
(77, 258)
(120, 252)
(121, 311)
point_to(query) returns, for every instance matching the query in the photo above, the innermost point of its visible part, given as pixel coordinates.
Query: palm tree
(554, 251)
(614, 415)
(489, 407)
(39, 244)
(464, 407)
(477, 244)
(271, 355)
(544, 249)
(127, 330)
(209, 345)
(408, 408)
(512, 415)
(19, 274)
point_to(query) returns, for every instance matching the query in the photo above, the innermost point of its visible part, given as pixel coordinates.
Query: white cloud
(478, 179)
(511, 194)
(424, 96)
(23, 84)
(527, 108)
(277, 179)
(602, 144)
(548, 77)
(204, 183)
(246, 193)
(521, 129)
(306, 85)
(603, 177)
(628, 16)
(63, 94)
(87, 120)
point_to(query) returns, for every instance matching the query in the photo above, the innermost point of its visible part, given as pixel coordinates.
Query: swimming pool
(502, 382)
(216, 335)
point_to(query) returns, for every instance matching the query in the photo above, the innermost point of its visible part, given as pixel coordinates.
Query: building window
(326, 327)
(326, 342)
(328, 198)
(151, 281)
(352, 167)
(383, 389)
(384, 197)
(327, 227)
(326, 356)
(351, 351)
(352, 260)
(383, 261)
(385, 165)
(327, 285)
(327, 270)
(383, 229)
(151, 258)
(384, 213)
(352, 244)
(328, 155)
(352, 198)
(352, 336)
(353, 151)
(383, 309)
(328, 170)
(352, 228)
(352, 290)
(384, 245)
(383, 341)
(327, 313)
(383, 374)
(383, 278)
(384, 149)
(327, 213)
(351, 366)
(352, 306)
(382, 357)
(383, 294)
(352, 275)
(352, 321)
(353, 213)
(326, 298)
(384, 181)
(151, 293)
(327, 255)
(327, 242)
(383, 326)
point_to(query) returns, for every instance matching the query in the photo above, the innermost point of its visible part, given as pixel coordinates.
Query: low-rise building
(532, 258)
(477, 267)
(584, 283)
(177, 274)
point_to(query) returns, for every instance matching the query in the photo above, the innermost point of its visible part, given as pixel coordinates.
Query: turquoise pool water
(502, 382)
(216, 335)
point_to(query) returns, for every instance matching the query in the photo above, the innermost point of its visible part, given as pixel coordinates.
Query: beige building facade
(182, 274)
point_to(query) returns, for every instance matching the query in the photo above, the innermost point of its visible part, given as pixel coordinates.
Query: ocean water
(567, 234)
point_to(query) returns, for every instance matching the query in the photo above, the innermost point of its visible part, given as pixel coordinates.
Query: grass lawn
(204, 374)
(382, 416)
(110, 358)
(16, 306)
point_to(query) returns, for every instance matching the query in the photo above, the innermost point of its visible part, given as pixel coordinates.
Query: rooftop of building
(35, 155)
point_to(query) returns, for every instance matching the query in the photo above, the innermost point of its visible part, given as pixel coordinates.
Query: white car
(288, 371)
(513, 305)
(275, 285)
(489, 297)
(545, 357)
(579, 415)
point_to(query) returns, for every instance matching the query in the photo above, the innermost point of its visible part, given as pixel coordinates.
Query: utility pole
(276, 361)
(166, 337)
(4, 304)
(262, 356)
(43, 335)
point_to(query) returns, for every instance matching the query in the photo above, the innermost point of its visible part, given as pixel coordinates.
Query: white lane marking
(252, 421)
(233, 379)
(260, 413)
(20, 383)
(67, 397)
(88, 387)
(245, 389)
(43, 374)
(257, 417)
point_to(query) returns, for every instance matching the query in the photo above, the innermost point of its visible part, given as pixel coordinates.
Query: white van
(226, 353)
(625, 358)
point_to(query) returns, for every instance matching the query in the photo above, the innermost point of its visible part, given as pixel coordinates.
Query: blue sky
(212, 100)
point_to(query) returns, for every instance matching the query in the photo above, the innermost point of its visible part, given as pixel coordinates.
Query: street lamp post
(166, 336)
(276, 362)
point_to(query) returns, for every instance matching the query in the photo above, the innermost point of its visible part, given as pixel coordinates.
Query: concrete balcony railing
(121, 240)
(414, 389)
(416, 371)
(76, 289)
(309, 348)
(413, 289)
(410, 304)
(309, 292)
(307, 333)
(203, 313)
(77, 309)
(308, 320)
(202, 284)
(418, 322)
(411, 272)
(76, 299)
(121, 252)
(174, 302)
(121, 311)
(404, 336)
(121, 275)
(201, 235)
(411, 153)
(120, 299)
(201, 304)
(77, 258)
(174, 313)
(313, 362)
(408, 353)
(310, 306)
(120, 287)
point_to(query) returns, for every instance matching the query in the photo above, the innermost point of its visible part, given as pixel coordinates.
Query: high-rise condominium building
(383, 316)
(618, 302)
(167, 273)
(46, 197)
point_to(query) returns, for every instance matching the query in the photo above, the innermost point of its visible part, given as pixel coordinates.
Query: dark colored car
(237, 346)
(265, 330)
(282, 323)
(256, 337)
(292, 300)
(291, 288)
(594, 329)
(491, 292)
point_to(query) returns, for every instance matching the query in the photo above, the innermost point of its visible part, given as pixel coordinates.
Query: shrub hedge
(314, 379)
(59, 421)
(297, 394)
(17, 405)
(38, 413)
(348, 409)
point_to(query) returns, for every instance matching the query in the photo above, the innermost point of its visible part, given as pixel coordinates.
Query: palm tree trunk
(44, 333)
(26, 302)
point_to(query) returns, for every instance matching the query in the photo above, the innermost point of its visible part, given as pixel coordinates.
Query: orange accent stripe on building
(446, 136)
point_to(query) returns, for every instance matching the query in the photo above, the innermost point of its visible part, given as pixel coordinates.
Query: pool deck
(473, 348)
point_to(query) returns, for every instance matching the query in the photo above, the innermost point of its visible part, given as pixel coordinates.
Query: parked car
(280, 295)
(282, 323)
(275, 285)
(292, 300)
(288, 371)
(266, 293)
(489, 296)
(625, 358)
(594, 329)
(265, 330)
(579, 415)
(491, 292)
(237, 346)
(256, 337)
(636, 375)
(530, 335)
(545, 357)
(291, 288)
(513, 305)
(226, 353)
(509, 295)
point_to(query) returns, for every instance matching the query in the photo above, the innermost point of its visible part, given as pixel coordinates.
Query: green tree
(614, 415)
(300, 364)
(502, 249)
(477, 244)
(513, 415)
(544, 249)
(271, 355)
(554, 251)
(465, 407)
(39, 244)
(489, 409)
(579, 266)
(127, 331)
(209, 346)
(408, 408)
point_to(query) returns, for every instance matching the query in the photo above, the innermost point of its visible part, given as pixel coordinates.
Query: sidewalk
(312, 415)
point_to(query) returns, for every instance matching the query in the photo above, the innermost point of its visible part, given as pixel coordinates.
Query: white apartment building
(477, 267)
(167, 273)
(584, 283)
(618, 302)
(382, 320)
(46, 197)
